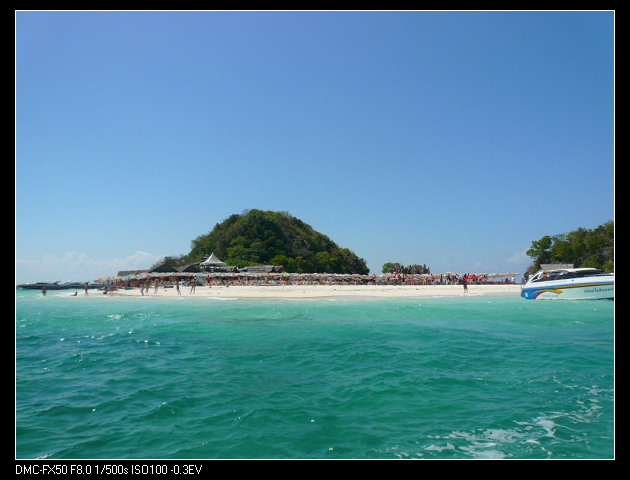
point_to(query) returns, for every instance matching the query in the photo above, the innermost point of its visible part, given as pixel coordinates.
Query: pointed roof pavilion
(213, 261)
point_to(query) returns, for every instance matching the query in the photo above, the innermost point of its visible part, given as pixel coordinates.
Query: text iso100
(174, 469)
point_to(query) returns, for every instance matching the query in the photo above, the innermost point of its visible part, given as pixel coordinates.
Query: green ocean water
(181, 378)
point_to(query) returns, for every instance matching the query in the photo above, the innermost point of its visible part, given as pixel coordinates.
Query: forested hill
(256, 237)
(581, 247)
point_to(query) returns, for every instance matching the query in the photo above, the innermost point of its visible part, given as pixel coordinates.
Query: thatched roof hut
(163, 267)
(123, 273)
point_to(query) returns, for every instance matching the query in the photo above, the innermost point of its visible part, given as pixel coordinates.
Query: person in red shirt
(466, 283)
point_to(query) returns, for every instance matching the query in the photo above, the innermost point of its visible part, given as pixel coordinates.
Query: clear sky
(451, 139)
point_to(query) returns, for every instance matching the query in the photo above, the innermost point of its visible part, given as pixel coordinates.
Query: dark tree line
(581, 247)
(408, 270)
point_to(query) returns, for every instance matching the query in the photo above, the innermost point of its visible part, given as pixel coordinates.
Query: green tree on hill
(581, 247)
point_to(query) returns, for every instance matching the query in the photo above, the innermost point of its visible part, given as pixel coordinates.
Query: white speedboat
(41, 285)
(570, 284)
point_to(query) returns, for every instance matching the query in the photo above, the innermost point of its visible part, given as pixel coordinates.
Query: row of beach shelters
(213, 264)
(262, 269)
(191, 268)
(208, 264)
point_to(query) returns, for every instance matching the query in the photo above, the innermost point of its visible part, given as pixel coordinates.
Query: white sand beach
(291, 292)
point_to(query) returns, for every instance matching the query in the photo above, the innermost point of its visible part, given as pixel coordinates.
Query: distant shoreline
(346, 292)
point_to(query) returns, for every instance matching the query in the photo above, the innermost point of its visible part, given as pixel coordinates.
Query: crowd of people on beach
(151, 284)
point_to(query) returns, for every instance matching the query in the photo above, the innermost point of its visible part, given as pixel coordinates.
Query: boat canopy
(555, 266)
(565, 273)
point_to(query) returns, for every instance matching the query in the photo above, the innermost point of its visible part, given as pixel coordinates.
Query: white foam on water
(489, 438)
(488, 454)
(439, 449)
(486, 445)
(46, 455)
(548, 425)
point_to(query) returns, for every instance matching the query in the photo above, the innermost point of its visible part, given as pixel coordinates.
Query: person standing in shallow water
(177, 286)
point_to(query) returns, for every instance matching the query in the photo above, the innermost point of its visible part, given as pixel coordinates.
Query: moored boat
(570, 284)
(41, 285)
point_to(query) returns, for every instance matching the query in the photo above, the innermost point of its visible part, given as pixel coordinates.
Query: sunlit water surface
(145, 378)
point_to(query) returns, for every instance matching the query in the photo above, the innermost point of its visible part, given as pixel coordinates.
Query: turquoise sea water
(181, 378)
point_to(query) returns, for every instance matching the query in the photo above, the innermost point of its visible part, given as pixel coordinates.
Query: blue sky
(451, 139)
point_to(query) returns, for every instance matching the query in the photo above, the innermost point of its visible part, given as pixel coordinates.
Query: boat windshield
(565, 275)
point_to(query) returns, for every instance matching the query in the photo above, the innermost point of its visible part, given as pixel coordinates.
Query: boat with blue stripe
(570, 284)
